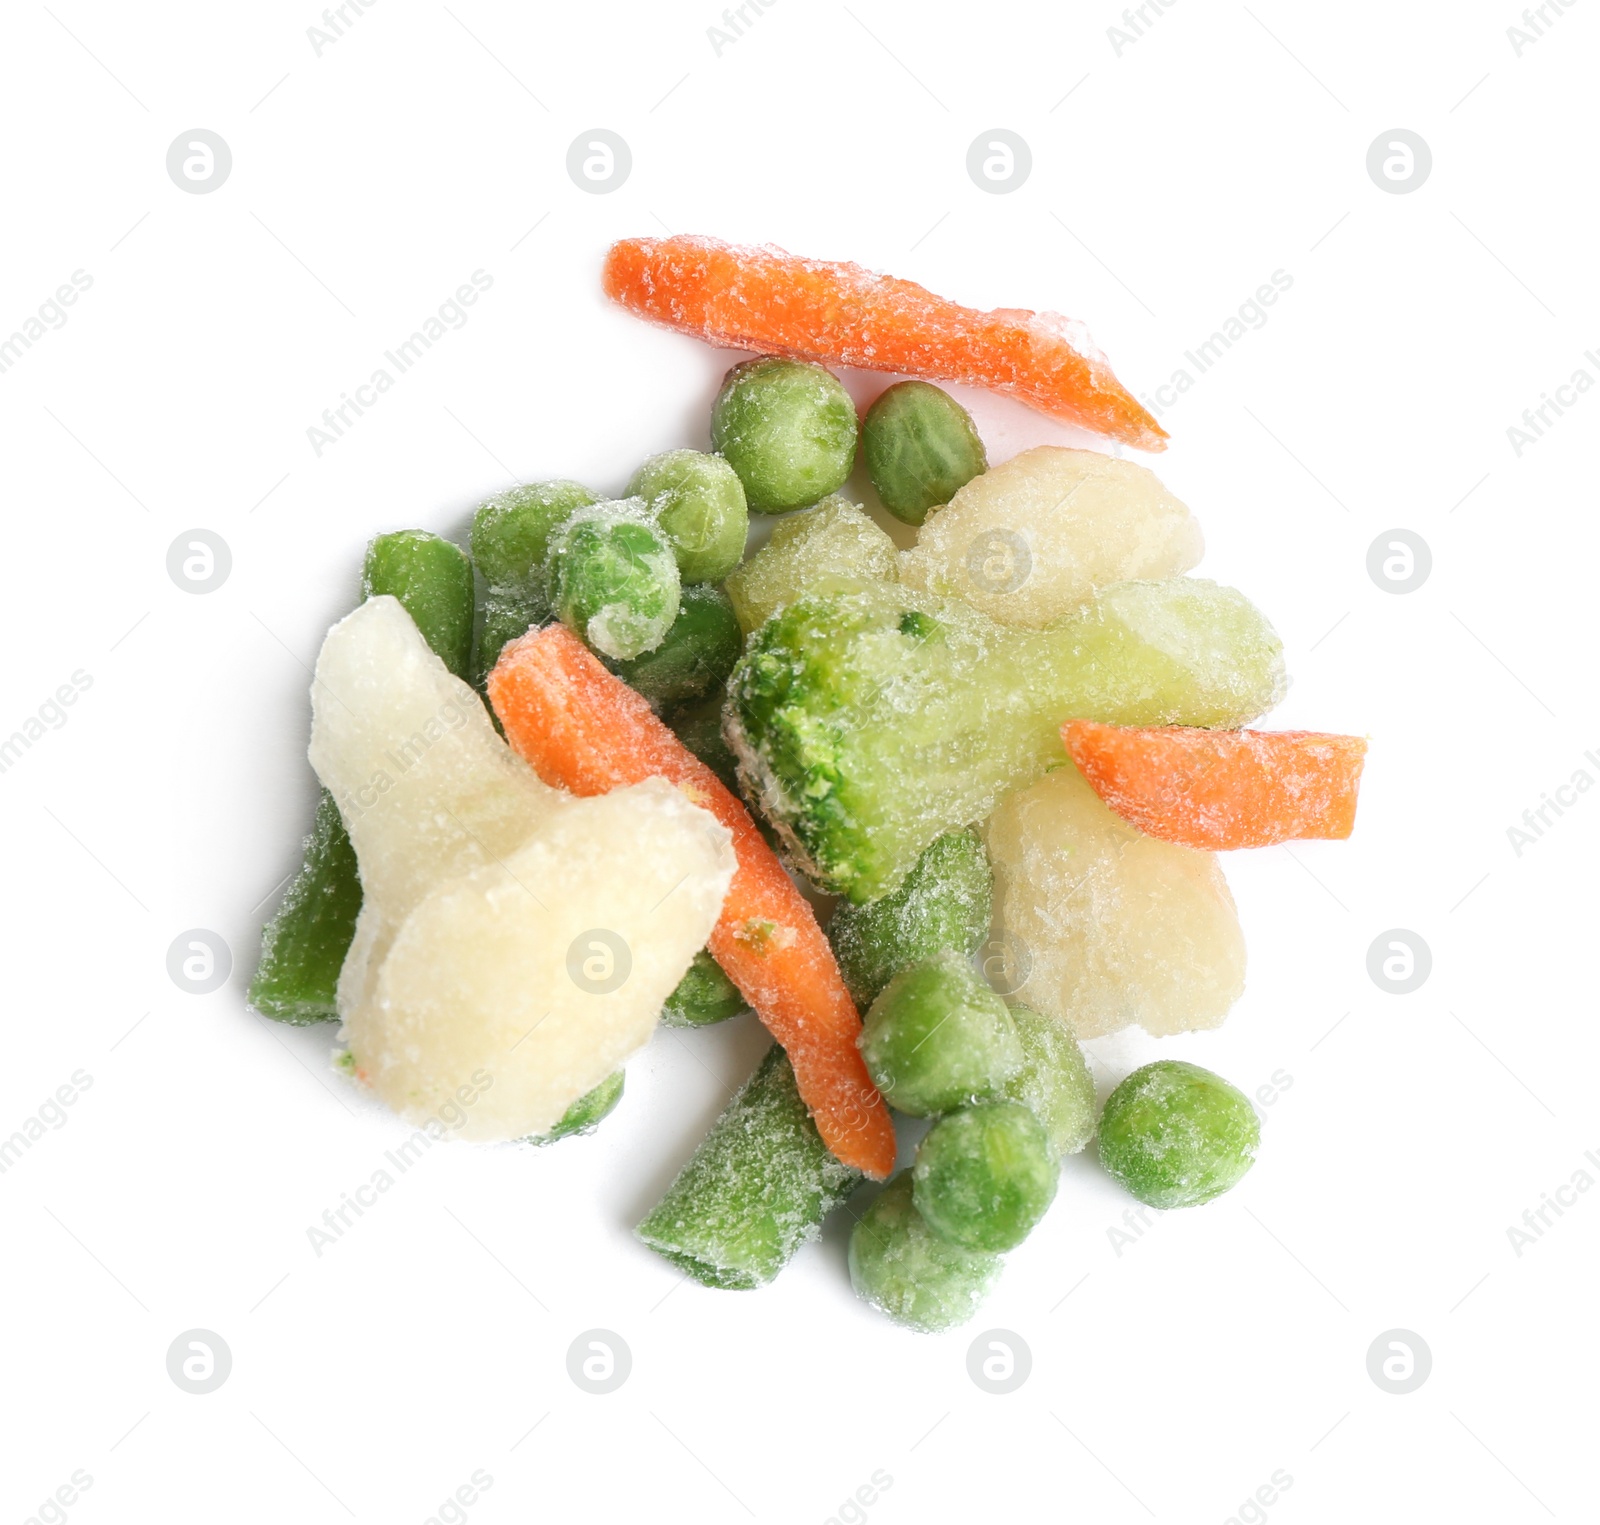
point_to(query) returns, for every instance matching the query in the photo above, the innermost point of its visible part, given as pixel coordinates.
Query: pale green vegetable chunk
(832, 544)
(1054, 1082)
(698, 500)
(1030, 541)
(1115, 928)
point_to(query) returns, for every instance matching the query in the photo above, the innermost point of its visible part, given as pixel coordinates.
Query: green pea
(695, 656)
(586, 1113)
(920, 446)
(705, 995)
(1054, 1082)
(698, 500)
(613, 578)
(985, 1176)
(944, 902)
(433, 579)
(699, 728)
(899, 1265)
(788, 428)
(938, 1038)
(1176, 1135)
(511, 532)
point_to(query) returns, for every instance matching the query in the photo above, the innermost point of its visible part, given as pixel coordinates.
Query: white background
(1169, 1381)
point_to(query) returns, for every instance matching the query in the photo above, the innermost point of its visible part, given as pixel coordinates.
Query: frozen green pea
(586, 1113)
(698, 500)
(756, 1189)
(1054, 1082)
(920, 445)
(699, 728)
(511, 532)
(613, 578)
(304, 944)
(944, 902)
(695, 656)
(1176, 1135)
(705, 995)
(788, 428)
(433, 579)
(899, 1265)
(985, 1176)
(938, 1037)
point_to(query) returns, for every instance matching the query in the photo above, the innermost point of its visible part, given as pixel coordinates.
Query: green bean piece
(433, 579)
(985, 1176)
(938, 1038)
(788, 428)
(1054, 1082)
(303, 946)
(900, 1266)
(920, 446)
(1176, 1135)
(506, 616)
(695, 656)
(586, 1113)
(944, 902)
(703, 997)
(614, 579)
(698, 500)
(756, 1189)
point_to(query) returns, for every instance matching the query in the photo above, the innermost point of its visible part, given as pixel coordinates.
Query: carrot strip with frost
(844, 314)
(585, 730)
(1221, 789)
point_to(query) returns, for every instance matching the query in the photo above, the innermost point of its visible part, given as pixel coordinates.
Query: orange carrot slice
(843, 314)
(586, 731)
(1221, 789)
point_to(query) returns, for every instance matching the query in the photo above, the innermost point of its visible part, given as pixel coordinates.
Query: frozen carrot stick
(586, 731)
(1221, 789)
(843, 314)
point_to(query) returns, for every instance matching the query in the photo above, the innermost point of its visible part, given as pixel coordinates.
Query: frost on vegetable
(698, 500)
(614, 579)
(834, 544)
(756, 1189)
(985, 1176)
(1031, 540)
(1054, 1082)
(870, 721)
(491, 901)
(1114, 929)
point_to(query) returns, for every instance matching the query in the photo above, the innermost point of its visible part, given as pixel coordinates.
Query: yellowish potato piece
(808, 553)
(1110, 928)
(1029, 541)
(524, 984)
